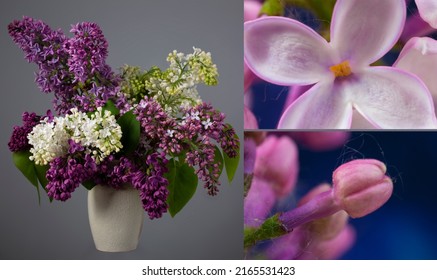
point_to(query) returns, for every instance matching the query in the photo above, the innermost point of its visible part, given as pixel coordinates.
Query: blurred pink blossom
(277, 163)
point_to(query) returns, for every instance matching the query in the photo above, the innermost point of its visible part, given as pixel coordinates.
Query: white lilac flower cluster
(181, 79)
(98, 133)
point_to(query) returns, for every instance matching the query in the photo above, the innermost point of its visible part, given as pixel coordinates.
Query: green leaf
(110, 106)
(41, 171)
(130, 128)
(218, 159)
(27, 167)
(231, 164)
(88, 185)
(272, 8)
(182, 185)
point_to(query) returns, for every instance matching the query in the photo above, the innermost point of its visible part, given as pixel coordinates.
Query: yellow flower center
(341, 70)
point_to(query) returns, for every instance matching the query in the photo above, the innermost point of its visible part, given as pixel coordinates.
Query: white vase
(116, 218)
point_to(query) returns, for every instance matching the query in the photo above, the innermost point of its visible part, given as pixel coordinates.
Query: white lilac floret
(99, 134)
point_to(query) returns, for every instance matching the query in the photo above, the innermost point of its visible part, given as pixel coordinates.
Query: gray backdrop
(139, 33)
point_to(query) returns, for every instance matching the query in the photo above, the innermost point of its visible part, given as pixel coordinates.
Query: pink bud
(277, 163)
(361, 186)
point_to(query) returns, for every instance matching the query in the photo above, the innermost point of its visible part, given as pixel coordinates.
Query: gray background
(139, 33)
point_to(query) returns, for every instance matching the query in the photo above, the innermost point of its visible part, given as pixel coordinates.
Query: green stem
(271, 228)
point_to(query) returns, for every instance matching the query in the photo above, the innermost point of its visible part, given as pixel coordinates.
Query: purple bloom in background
(286, 52)
(18, 140)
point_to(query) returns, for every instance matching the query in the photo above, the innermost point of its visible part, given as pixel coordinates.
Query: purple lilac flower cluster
(152, 185)
(68, 172)
(198, 127)
(73, 69)
(19, 141)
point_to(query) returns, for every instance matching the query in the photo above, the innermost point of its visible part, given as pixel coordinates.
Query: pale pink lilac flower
(286, 52)
(419, 56)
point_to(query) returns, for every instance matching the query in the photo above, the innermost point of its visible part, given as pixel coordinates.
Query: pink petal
(419, 56)
(363, 31)
(392, 98)
(284, 51)
(415, 27)
(258, 202)
(250, 121)
(324, 106)
(428, 11)
(277, 162)
(293, 93)
(251, 10)
(320, 140)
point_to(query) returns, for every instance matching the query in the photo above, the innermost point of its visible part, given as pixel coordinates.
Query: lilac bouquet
(145, 129)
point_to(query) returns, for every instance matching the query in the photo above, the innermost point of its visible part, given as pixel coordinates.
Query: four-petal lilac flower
(286, 52)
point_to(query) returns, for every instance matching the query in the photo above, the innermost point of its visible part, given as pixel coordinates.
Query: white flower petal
(324, 106)
(284, 51)
(363, 31)
(391, 98)
(419, 56)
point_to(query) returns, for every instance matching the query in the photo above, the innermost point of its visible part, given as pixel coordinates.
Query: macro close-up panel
(340, 195)
(121, 130)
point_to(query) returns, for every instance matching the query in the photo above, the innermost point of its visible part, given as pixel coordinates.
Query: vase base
(116, 218)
